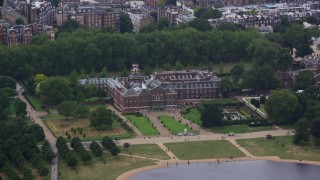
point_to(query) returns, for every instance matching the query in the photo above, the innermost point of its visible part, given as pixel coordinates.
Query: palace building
(160, 91)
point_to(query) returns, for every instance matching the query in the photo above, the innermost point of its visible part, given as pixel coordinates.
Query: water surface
(239, 170)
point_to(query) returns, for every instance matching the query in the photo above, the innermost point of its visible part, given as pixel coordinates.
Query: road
(205, 137)
(35, 117)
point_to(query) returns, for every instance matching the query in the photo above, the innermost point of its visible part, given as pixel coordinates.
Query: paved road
(35, 117)
(202, 137)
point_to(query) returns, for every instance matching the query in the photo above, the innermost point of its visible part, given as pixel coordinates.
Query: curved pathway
(35, 117)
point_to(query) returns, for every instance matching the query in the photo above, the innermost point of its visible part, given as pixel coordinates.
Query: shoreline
(164, 163)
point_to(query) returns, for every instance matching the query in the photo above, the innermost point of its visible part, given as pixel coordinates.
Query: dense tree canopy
(304, 79)
(92, 50)
(211, 116)
(55, 90)
(125, 23)
(281, 106)
(101, 118)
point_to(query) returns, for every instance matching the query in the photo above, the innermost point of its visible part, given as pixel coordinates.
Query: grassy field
(239, 129)
(12, 109)
(228, 66)
(193, 115)
(204, 150)
(282, 147)
(144, 126)
(59, 127)
(146, 150)
(97, 169)
(35, 102)
(172, 125)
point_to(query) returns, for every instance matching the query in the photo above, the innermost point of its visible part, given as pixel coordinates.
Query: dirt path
(136, 130)
(35, 117)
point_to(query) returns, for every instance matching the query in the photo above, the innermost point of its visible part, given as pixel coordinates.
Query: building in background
(159, 91)
(22, 34)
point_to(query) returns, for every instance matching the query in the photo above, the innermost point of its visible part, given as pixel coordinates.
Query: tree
(303, 80)
(154, 14)
(315, 129)
(69, 26)
(67, 108)
(39, 39)
(4, 104)
(114, 150)
(74, 78)
(200, 24)
(55, 2)
(237, 71)
(198, 11)
(281, 106)
(20, 107)
(211, 116)
(38, 79)
(72, 161)
(6, 81)
(104, 73)
(19, 21)
(101, 118)
(125, 23)
(162, 23)
(82, 111)
(55, 90)
(225, 86)
(302, 131)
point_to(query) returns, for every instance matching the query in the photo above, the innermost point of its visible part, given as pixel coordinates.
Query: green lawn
(97, 169)
(145, 150)
(172, 125)
(282, 147)
(12, 109)
(204, 150)
(228, 66)
(193, 115)
(35, 102)
(144, 126)
(239, 129)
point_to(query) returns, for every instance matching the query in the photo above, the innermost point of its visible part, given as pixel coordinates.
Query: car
(117, 138)
(231, 134)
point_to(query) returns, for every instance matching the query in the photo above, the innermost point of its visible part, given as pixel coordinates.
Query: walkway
(138, 133)
(35, 117)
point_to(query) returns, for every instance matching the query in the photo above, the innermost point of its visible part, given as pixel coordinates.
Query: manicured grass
(172, 125)
(287, 126)
(204, 150)
(52, 115)
(12, 109)
(97, 169)
(228, 66)
(59, 127)
(146, 150)
(144, 126)
(282, 147)
(193, 115)
(239, 129)
(35, 102)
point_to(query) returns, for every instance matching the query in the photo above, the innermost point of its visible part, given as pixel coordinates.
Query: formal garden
(82, 127)
(283, 147)
(204, 150)
(145, 126)
(173, 125)
(236, 116)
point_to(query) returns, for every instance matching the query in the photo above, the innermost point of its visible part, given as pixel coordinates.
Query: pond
(239, 170)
